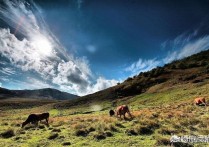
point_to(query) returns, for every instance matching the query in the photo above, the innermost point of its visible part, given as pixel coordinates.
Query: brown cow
(34, 118)
(200, 101)
(121, 110)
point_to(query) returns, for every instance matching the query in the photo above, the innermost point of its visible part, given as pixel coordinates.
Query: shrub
(108, 134)
(162, 141)
(192, 65)
(182, 66)
(66, 143)
(173, 66)
(181, 144)
(79, 126)
(203, 63)
(131, 132)
(22, 132)
(56, 130)
(81, 132)
(41, 126)
(166, 131)
(53, 136)
(7, 134)
(119, 125)
(91, 129)
(99, 136)
(152, 124)
(5, 124)
(110, 127)
(128, 79)
(144, 130)
(145, 74)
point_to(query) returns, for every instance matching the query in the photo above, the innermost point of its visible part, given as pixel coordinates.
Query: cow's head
(24, 123)
(112, 112)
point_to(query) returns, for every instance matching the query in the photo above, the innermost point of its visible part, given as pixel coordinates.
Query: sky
(84, 46)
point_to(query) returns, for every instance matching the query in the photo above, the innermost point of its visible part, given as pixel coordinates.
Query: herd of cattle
(119, 111)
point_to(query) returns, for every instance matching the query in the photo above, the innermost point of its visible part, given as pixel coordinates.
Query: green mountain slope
(187, 72)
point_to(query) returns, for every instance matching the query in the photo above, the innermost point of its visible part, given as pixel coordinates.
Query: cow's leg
(116, 114)
(124, 115)
(47, 122)
(36, 123)
(130, 114)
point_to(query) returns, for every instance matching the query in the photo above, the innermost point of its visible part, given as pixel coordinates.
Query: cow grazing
(34, 118)
(121, 110)
(200, 101)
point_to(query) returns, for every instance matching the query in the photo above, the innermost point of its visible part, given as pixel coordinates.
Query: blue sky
(83, 46)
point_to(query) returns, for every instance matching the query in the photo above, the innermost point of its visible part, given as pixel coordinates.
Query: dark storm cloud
(76, 77)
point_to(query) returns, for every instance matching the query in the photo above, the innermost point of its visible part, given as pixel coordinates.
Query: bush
(111, 127)
(56, 130)
(81, 132)
(203, 63)
(163, 141)
(41, 126)
(91, 129)
(5, 124)
(7, 134)
(99, 136)
(53, 136)
(181, 144)
(145, 130)
(66, 143)
(182, 66)
(119, 125)
(131, 132)
(128, 79)
(166, 131)
(173, 66)
(108, 134)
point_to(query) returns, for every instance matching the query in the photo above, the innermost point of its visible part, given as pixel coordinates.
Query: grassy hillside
(160, 100)
(156, 117)
(191, 70)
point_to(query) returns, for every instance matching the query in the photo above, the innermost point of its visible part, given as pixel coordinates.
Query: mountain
(191, 70)
(47, 93)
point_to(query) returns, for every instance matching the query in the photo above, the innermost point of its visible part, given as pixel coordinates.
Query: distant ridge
(193, 69)
(46, 93)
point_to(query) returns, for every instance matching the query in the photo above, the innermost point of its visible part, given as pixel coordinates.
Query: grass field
(158, 113)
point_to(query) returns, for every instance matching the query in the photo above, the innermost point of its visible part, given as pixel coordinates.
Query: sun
(42, 45)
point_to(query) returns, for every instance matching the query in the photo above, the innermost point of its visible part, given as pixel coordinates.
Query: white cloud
(30, 83)
(0, 84)
(34, 83)
(182, 46)
(40, 52)
(7, 71)
(101, 84)
(188, 48)
(142, 66)
(194, 47)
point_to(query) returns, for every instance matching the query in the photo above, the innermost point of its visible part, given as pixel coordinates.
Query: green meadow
(158, 114)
